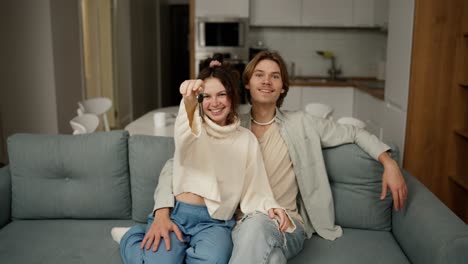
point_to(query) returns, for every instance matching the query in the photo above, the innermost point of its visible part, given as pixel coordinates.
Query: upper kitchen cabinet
(319, 13)
(381, 13)
(275, 12)
(370, 13)
(222, 8)
(327, 13)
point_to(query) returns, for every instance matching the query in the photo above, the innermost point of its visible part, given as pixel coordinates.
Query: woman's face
(216, 103)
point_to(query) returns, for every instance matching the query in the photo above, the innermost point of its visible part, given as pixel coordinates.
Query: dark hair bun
(219, 57)
(216, 57)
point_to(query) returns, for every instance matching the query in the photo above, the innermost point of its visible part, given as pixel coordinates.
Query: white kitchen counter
(145, 124)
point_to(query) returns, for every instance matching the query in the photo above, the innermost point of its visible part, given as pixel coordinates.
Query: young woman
(217, 168)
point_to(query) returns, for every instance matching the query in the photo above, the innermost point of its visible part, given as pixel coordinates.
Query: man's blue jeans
(206, 240)
(257, 240)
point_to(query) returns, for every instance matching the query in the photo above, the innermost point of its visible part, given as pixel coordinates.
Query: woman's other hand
(160, 228)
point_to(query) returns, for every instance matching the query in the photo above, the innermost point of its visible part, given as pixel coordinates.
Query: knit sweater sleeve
(163, 194)
(187, 126)
(257, 194)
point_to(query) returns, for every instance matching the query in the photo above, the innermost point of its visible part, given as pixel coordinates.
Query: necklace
(264, 124)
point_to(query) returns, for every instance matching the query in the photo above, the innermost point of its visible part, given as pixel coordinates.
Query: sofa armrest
(5, 196)
(427, 230)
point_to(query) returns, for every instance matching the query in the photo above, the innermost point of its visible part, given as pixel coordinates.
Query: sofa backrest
(356, 182)
(65, 176)
(147, 156)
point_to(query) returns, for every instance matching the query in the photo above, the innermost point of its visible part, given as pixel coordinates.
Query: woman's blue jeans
(206, 240)
(257, 240)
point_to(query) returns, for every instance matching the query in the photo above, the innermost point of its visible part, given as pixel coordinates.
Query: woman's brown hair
(228, 76)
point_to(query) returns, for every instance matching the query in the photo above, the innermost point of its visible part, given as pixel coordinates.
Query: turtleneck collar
(217, 131)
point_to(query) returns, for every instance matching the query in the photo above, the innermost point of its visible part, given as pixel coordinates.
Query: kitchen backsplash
(358, 52)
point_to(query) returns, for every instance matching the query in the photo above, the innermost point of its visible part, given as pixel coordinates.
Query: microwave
(221, 35)
(222, 32)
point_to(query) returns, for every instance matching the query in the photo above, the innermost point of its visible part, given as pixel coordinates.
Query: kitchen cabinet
(394, 127)
(399, 43)
(319, 13)
(275, 12)
(381, 13)
(370, 13)
(327, 13)
(292, 101)
(340, 98)
(370, 110)
(222, 8)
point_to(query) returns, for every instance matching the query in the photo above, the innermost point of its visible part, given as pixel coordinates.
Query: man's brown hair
(267, 55)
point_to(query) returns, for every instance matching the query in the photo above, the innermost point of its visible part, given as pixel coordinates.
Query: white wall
(40, 66)
(29, 104)
(357, 51)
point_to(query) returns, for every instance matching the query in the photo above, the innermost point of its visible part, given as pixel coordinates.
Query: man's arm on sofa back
(427, 230)
(5, 196)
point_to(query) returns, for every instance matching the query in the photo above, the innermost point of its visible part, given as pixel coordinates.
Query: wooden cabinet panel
(436, 150)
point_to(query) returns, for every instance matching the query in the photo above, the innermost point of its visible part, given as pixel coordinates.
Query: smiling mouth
(216, 111)
(266, 90)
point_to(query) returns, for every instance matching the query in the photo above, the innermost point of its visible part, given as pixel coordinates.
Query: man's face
(266, 84)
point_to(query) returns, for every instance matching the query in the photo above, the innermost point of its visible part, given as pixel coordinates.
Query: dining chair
(98, 106)
(351, 121)
(319, 110)
(85, 123)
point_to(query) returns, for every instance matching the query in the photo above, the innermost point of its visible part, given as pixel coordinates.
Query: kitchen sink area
(320, 80)
(369, 85)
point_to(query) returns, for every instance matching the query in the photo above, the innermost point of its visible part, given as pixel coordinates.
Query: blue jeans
(206, 240)
(257, 240)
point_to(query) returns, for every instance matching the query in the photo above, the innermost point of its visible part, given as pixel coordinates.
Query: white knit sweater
(223, 164)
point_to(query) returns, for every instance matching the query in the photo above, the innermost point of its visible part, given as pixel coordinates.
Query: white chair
(85, 123)
(319, 110)
(351, 121)
(98, 106)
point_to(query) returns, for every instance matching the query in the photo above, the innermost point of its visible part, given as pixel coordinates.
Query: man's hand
(161, 227)
(280, 214)
(393, 179)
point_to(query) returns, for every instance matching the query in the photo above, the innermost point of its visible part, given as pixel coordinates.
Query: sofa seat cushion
(60, 241)
(66, 176)
(355, 246)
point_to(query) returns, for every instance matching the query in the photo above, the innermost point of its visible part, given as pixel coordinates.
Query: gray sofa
(61, 195)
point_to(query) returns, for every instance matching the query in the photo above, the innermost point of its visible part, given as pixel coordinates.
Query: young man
(291, 146)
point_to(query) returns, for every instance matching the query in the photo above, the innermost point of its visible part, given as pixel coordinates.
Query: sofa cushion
(147, 156)
(67, 176)
(354, 247)
(356, 183)
(60, 241)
